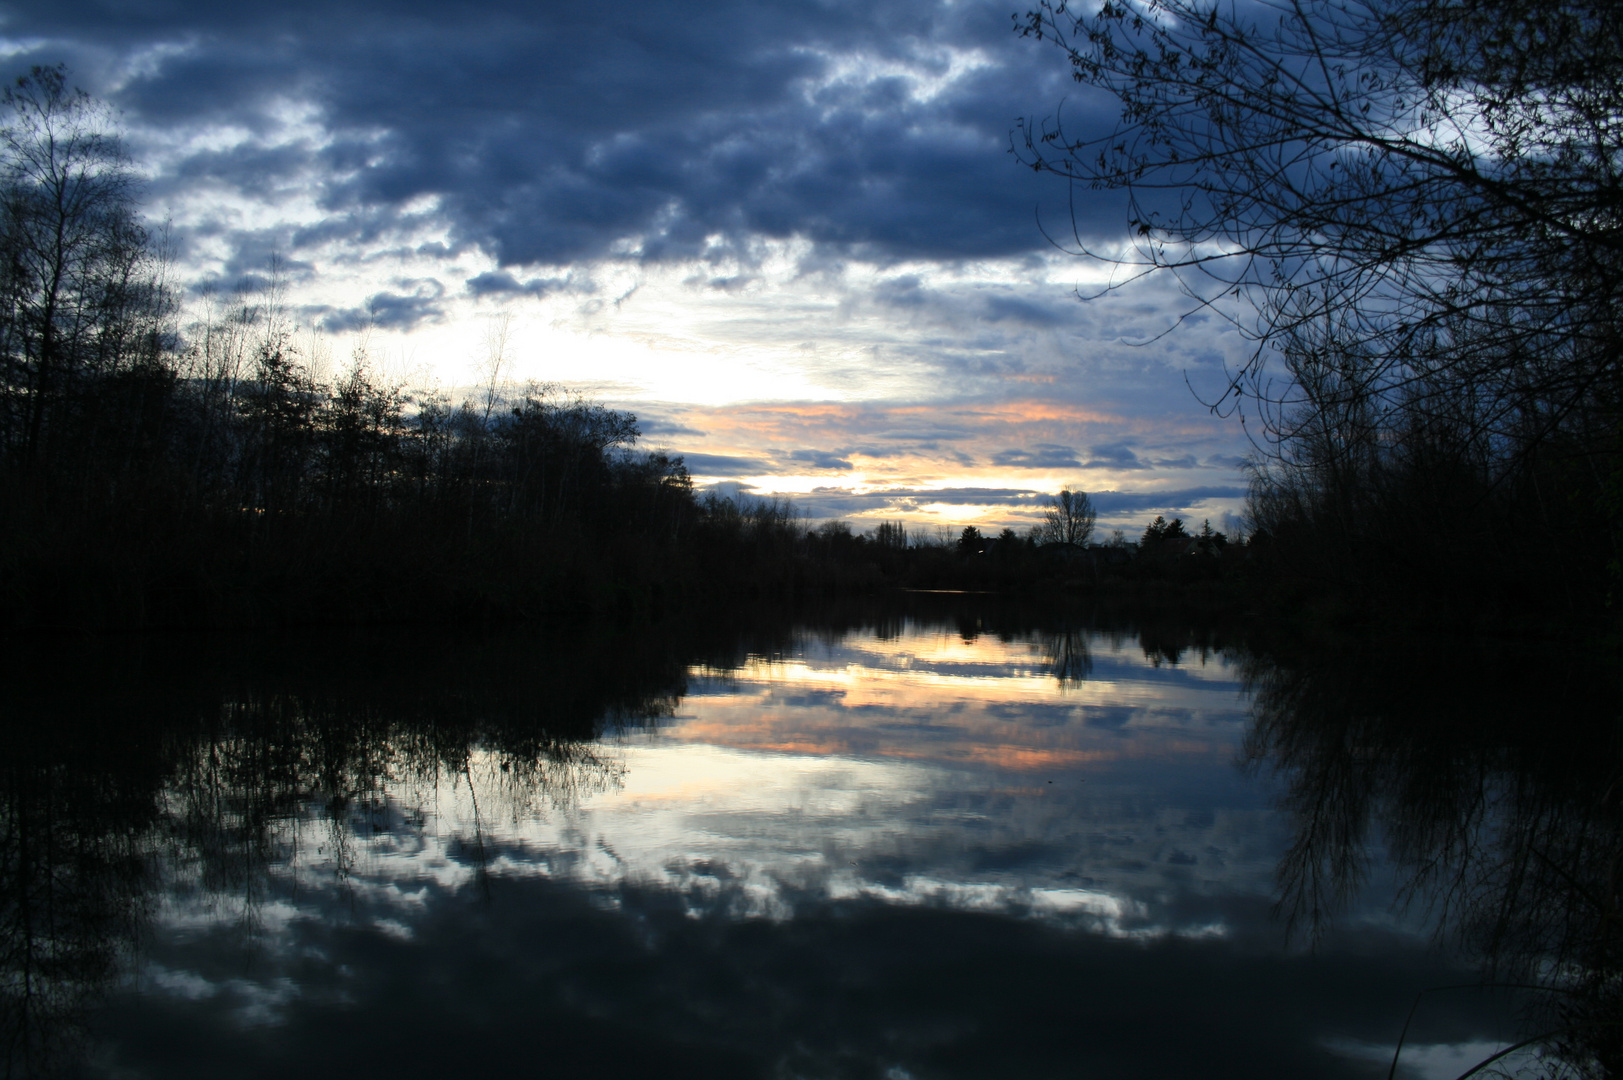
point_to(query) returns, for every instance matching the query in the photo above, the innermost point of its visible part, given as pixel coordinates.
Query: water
(993, 845)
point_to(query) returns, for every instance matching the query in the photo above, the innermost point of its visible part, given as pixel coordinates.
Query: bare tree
(891, 535)
(493, 365)
(75, 292)
(1068, 520)
(1414, 211)
(1428, 195)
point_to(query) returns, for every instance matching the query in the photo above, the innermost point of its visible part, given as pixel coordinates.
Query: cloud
(388, 310)
(1175, 501)
(1118, 455)
(1045, 456)
(819, 459)
(658, 427)
(901, 292)
(724, 465)
(1027, 312)
(731, 489)
(880, 453)
(547, 134)
(834, 502)
(776, 203)
(500, 282)
(976, 496)
(906, 500)
(930, 434)
(661, 979)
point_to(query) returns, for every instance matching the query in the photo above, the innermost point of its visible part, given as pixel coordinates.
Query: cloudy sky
(789, 236)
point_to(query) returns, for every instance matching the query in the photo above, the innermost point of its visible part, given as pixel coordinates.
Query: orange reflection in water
(981, 702)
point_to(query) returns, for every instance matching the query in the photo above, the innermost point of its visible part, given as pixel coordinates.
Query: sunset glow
(807, 262)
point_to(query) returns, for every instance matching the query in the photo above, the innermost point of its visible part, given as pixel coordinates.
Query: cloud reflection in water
(844, 854)
(922, 770)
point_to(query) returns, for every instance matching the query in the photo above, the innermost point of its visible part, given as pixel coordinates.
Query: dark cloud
(1117, 455)
(902, 292)
(819, 459)
(657, 427)
(500, 282)
(1028, 313)
(733, 284)
(548, 133)
(1162, 502)
(722, 464)
(732, 489)
(640, 981)
(254, 170)
(837, 502)
(256, 258)
(387, 310)
(1043, 456)
(932, 434)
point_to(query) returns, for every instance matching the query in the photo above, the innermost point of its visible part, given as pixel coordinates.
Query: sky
(789, 236)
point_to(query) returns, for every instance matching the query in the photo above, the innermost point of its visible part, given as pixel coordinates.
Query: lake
(946, 837)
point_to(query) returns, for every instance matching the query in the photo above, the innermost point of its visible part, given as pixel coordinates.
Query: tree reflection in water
(124, 778)
(75, 830)
(1491, 776)
(128, 779)
(1068, 656)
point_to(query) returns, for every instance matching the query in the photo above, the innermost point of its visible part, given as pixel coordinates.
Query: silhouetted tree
(1436, 180)
(1413, 207)
(1068, 520)
(1161, 530)
(78, 295)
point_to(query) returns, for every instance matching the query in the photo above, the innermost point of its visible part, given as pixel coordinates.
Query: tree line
(160, 468)
(154, 472)
(159, 471)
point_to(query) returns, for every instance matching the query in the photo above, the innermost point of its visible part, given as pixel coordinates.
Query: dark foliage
(157, 475)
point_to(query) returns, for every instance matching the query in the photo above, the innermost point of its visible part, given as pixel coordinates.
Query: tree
(77, 295)
(891, 535)
(970, 541)
(1068, 520)
(1161, 530)
(1436, 181)
(1417, 207)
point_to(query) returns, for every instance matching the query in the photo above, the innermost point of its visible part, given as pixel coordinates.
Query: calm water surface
(903, 847)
